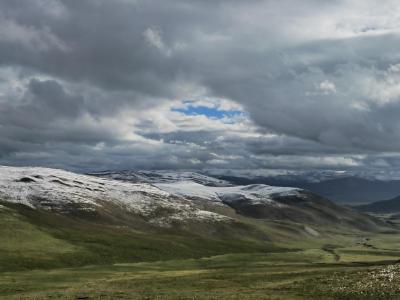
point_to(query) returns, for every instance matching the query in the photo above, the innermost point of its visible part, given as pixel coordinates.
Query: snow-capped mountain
(59, 190)
(252, 200)
(166, 198)
(62, 191)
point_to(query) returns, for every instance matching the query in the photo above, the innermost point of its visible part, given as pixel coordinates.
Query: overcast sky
(195, 84)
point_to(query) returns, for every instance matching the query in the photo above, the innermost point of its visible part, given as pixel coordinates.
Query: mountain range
(350, 190)
(162, 198)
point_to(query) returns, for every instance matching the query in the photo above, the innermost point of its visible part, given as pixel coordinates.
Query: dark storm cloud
(101, 42)
(49, 98)
(319, 80)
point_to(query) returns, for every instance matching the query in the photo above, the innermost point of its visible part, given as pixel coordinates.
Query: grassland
(50, 256)
(310, 274)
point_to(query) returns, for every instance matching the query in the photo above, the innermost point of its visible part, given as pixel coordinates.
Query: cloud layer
(120, 84)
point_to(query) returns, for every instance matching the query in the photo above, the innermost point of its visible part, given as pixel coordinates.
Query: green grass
(35, 239)
(50, 256)
(23, 244)
(296, 275)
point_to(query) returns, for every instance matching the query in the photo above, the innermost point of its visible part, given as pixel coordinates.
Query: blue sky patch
(210, 112)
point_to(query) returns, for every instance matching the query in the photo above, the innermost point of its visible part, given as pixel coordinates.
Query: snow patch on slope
(52, 189)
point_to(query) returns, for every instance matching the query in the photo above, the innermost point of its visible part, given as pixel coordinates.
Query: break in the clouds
(100, 84)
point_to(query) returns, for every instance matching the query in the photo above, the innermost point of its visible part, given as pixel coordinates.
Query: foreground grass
(309, 274)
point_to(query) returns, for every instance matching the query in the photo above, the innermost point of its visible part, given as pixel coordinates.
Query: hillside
(385, 206)
(257, 201)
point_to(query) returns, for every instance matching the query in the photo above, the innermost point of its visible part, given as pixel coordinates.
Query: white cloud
(327, 87)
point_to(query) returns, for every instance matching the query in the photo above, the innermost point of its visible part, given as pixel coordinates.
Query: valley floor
(306, 274)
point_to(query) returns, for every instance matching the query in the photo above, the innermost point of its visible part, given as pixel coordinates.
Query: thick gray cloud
(93, 84)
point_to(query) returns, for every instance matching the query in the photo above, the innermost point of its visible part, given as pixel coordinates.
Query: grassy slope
(36, 239)
(33, 239)
(101, 259)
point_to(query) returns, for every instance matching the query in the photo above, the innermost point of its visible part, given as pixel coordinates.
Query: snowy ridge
(162, 177)
(257, 193)
(195, 185)
(52, 189)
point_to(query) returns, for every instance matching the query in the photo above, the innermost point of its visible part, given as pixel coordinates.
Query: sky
(199, 84)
